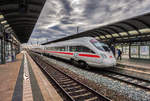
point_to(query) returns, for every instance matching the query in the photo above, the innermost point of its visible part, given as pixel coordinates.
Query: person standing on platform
(119, 54)
(113, 50)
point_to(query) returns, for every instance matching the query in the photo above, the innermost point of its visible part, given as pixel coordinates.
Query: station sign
(144, 50)
(134, 50)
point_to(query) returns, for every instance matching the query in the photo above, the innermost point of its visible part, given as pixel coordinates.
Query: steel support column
(3, 49)
(129, 50)
(12, 57)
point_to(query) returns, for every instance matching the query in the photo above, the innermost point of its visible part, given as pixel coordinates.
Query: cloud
(59, 18)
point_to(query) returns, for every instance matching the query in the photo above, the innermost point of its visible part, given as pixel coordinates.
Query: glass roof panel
(102, 36)
(134, 37)
(123, 34)
(97, 37)
(125, 38)
(1, 16)
(133, 32)
(115, 35)
(108, 36)
(119, 38)
(3, 22)
(145, 30)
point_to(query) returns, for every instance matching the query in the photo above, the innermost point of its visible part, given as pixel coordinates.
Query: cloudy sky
(60, 18)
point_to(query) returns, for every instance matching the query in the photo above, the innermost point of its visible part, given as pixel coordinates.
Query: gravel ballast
(122, 88)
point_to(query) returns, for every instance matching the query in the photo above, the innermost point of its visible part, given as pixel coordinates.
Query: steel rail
(137, 84)
(95, 95)
(105, 73)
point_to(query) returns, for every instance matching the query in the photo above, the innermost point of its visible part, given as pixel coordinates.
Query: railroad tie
(77, 96)
(91, 99)
(73, 84)
(73, 87)
(77, 91)
(67, 82)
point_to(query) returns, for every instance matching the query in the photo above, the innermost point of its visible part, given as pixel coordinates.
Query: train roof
(77, 41)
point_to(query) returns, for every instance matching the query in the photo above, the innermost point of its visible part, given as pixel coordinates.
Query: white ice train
(87, 51)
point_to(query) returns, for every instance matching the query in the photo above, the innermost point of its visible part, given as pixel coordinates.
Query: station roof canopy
(21, 15)
(135, 29)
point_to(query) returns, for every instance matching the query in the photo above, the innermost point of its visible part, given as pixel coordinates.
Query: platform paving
(48, 91)
(22, 80)
(8, 76)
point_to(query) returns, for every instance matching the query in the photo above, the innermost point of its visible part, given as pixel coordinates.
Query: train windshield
(99, 45)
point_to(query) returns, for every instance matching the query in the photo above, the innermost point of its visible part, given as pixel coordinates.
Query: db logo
(75, 54)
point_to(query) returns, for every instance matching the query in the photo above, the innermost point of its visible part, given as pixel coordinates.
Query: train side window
(72, 48)
(80, 49)
(86, 49)
(57, 48)
(62, 48)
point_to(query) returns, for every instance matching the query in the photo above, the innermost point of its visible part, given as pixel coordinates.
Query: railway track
(138, 82)
(132, 67)
(74, 89)
(124, 77)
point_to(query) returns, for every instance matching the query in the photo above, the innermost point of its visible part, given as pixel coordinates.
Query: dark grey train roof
(135, 29)
(21, 15)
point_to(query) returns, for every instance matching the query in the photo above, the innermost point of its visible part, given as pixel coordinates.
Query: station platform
(22, 80)
(135, 63)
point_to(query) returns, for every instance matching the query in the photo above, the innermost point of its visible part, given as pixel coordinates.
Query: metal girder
(21, 13)
(28, 30)
(143, 22)
(101, 32)
(136, 35)
(93, 34)
(97, 35)
(22, 20)
(19, 23)
(23, 27)
(27, 25)
(114, 30)
(103, 29)
(90, 33)
(133, 40)
(5, 2)
(7, 11)
(17, 15)
(122, 28)
(132, 26)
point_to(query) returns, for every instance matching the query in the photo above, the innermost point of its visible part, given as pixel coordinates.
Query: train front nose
(110, 61)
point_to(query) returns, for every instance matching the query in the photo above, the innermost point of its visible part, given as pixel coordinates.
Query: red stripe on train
(68, 53)
(60, 52)
(89, 55)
